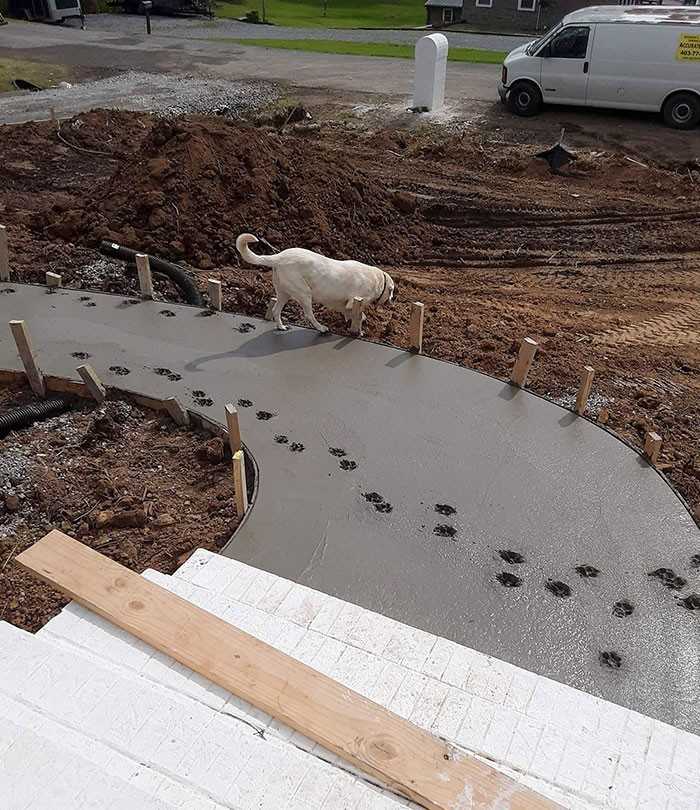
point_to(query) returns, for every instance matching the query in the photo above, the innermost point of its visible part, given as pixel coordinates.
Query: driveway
(101, 51)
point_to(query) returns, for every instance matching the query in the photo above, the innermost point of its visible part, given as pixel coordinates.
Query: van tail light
(504, 74)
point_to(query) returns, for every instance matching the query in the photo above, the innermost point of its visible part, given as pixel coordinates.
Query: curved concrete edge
(383, 343)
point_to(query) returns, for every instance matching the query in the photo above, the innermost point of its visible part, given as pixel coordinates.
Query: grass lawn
(37, 73)
(339, 13)
(368, 49)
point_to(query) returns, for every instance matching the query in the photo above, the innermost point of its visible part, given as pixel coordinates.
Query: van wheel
(524, 99)
(682, 111)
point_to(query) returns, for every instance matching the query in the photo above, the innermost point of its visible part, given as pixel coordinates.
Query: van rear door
(565, 62)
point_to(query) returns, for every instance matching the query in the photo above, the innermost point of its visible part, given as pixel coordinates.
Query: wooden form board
(415, 328)
(408, 759)
(26, 354)
(4, 255)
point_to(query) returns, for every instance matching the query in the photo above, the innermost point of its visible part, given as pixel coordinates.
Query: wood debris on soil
(125, 481)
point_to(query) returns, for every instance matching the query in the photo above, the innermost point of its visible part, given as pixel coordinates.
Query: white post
(430, 72)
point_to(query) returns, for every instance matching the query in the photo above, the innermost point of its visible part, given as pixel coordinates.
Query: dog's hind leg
(307, 305)
(282, 299)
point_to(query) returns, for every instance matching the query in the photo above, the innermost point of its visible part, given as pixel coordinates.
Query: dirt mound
(196, 183)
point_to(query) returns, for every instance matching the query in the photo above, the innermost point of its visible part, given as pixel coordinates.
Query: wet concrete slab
(424, 491)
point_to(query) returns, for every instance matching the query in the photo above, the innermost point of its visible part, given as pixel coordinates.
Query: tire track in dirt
(680, 325)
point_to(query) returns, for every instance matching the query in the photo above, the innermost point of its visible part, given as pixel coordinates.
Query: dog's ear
(388, 292)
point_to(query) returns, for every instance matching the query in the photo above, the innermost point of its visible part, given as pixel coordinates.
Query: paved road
(171, 54)
(212, 29)
(523, 475)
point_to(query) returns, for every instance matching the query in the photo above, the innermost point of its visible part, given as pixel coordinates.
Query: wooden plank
(240, 489)
(53, 279)
(145, 277)
(268, 312)
(522, 365)
(584, 390)
(411, 761)
(415, 328)
(26, 353)
(177, 413)
(216, 300)
(652, 446)
(4, 255)
(64, 386)
(356, 323)
(93, 382)
(234, 428)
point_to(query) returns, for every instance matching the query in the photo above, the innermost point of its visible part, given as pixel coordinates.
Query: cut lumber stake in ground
(584, 390)
(356, 324)
(234, 429)
(215, 295)
(176, 412)
(415, 328)
(652, 446)
(4, 255)
(522, 365)
(270, 307)
(240, 489)
(145, 278)
(53, 279)
(26, 353)
(93, 383)
(411, 761)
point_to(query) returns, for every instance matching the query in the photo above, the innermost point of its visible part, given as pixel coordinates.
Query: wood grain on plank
(406, 758)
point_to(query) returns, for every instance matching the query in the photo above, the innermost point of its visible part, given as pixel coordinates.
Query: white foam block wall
(106, 704)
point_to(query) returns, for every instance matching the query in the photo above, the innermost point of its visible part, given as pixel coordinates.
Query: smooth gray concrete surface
(523, 474)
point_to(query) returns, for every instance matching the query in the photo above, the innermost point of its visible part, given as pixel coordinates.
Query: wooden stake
(356, 323)
(239, 483)
(177, 413)
(4, 255)
(584, 390)
(215, 295)
(26, 353)
(393, 751)
(53, 279)
(415, 328)
(652, 446)
(145, 277)
(92, 382)
(268, 312)
(234, 429)
(522, 365)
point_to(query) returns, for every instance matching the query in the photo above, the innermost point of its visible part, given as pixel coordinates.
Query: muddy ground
(599, 264)
(125, 481)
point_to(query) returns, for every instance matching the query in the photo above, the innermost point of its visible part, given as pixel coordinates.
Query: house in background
(517, 16)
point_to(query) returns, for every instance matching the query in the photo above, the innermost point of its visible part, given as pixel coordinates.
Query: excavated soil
(122, 480)
(599, 264)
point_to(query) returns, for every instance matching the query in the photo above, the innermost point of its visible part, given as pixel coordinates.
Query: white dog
(305, 277)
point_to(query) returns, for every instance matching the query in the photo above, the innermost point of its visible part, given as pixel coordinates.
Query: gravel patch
(161, 94)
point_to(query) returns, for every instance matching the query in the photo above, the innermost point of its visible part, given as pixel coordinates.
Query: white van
(626, 57)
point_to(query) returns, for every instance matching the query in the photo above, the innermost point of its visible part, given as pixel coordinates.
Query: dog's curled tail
(247, 254)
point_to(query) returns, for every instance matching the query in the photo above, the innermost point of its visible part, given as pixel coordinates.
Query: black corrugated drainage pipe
(176, 274)
(25, 415)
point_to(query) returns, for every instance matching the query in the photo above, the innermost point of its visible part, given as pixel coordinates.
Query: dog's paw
(323, 330)
(282, 328)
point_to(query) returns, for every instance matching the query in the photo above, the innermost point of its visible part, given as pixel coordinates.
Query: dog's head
(387, 295)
